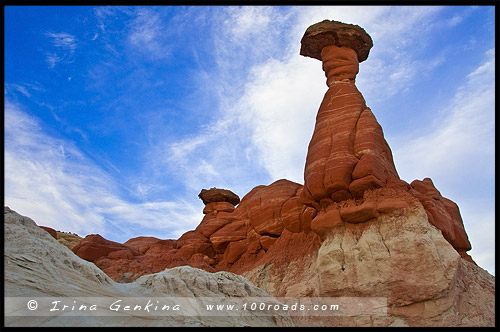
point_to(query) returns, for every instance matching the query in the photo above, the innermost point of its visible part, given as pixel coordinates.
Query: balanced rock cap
(335, 33)
(218, 195)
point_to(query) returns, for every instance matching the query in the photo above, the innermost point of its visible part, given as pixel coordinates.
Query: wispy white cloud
(52, 181)
(455, 20)
(279, 112)
(147, 34)
(65, 46)
(63, 40)
(106, 14)
(458, 153)
(247, 21)
(398, 58)
(21, 89)
(143, 28)
(463, 129)
(26, 89)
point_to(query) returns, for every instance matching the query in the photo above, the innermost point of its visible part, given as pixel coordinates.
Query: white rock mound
(38, 267)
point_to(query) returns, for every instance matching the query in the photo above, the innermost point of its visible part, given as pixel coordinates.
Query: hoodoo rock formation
(348, 155)
(354, 229)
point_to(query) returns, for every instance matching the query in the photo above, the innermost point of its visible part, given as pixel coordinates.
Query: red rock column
(347, 153)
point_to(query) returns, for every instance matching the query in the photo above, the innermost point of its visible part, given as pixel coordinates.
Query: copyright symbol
(32, 305)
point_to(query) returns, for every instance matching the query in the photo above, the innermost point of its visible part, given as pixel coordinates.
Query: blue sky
(117, 117)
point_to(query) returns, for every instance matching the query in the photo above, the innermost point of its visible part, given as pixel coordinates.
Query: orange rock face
(144, 243)
(94, 246)
(347, 154)
(444, 214)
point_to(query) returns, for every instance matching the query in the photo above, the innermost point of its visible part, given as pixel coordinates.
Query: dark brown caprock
(335, 33)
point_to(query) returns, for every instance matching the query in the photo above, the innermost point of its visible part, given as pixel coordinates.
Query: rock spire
(348, 153)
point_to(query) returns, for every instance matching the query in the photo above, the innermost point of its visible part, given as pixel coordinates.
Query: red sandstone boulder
(254, 245)
(325, 222)
(267, 207)
(289, 256)
(203, 262)
(442, 213)
(215, 207)
(211, 223)
(161, 247)
(355, 214)
(124, 269)
(267, 241)
(189, 238)
(291, 213)
(193, 242)
(390, 204)
(306, 217)
(234, 250)
(94, 246)
(142, 243)
(232, 232)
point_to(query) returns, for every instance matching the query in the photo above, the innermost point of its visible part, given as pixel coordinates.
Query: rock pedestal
(347, 154)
